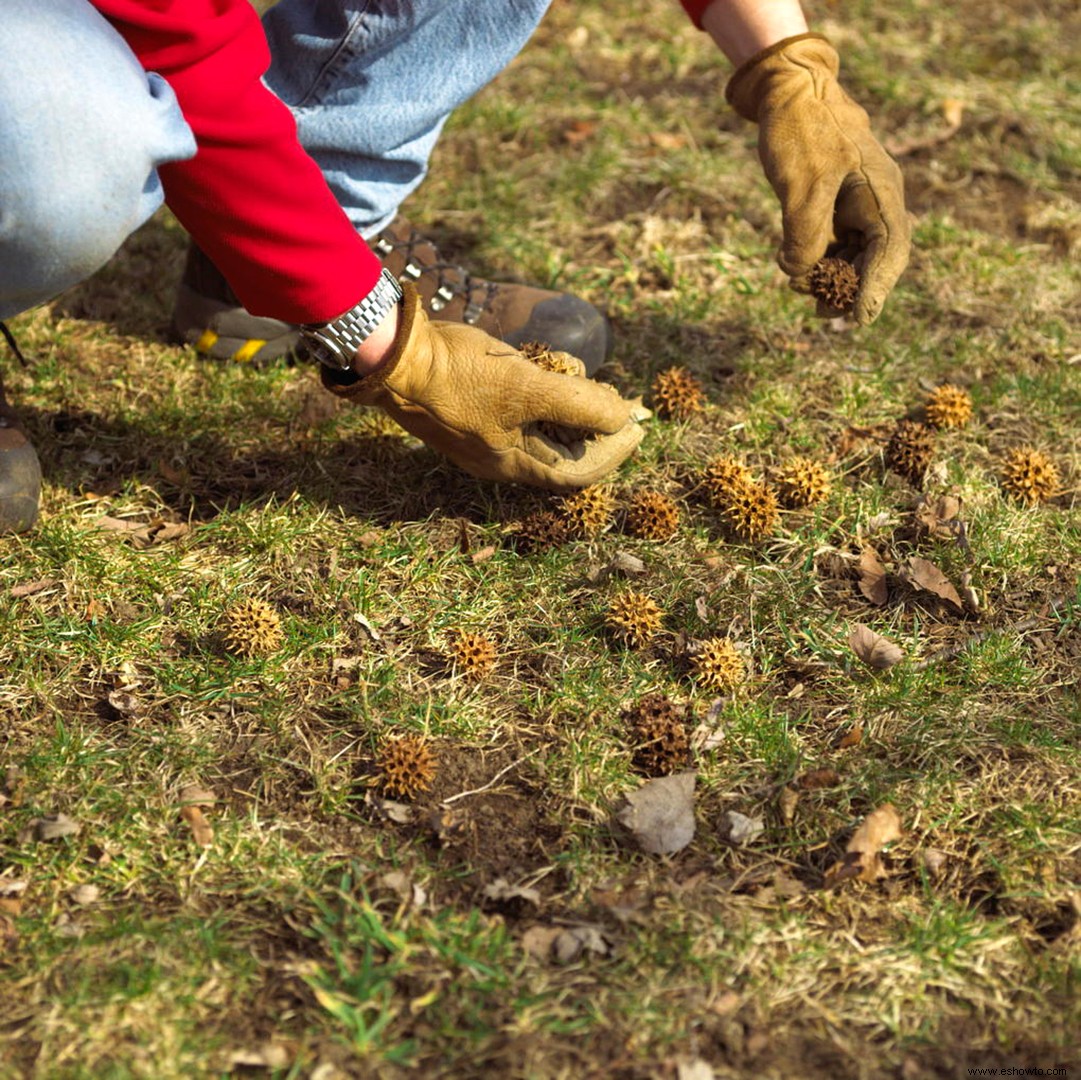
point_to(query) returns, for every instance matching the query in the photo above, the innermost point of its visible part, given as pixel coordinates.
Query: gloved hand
(485, 406)
(834, 180)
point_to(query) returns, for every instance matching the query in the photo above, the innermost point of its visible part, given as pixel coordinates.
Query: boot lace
(451, 280)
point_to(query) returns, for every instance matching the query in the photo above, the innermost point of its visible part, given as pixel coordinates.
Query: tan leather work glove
(486, 406)
(834, 180)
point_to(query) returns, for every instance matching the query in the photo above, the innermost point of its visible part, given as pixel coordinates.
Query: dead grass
(328, 933)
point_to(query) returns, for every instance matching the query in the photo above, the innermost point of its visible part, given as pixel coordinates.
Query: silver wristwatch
(334, 344)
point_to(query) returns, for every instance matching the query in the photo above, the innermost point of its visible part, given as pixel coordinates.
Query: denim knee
(82, 131)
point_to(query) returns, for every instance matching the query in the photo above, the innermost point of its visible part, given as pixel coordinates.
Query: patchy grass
(324, 933)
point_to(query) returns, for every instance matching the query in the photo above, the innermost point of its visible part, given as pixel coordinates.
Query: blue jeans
(83, 127)
(82, 131)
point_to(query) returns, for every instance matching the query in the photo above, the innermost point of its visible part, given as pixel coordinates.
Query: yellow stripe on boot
(246, 353)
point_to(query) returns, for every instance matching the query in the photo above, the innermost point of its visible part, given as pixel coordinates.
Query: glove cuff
(368, 389)
(745, 88)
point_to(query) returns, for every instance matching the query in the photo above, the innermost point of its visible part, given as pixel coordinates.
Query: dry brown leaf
(817, 778)
(84, 895)
(875, 650)
(787, 803)
(201, 831)
(923, 574)
(143, 534)
(738, 828)
(668, 140)
(660, 814)
(54, 827)
(194, 795)
(177, 477)
(579, 131)
(538, 940)
(861, 859)
(483, 554)
(852, 737)
(872, 580)
(28, 588)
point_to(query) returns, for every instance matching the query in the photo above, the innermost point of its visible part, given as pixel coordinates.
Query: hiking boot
(20, 472)
(209, 316)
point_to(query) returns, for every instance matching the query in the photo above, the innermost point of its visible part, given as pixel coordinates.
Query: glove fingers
(884, 246)
(576, 402)
(808, 230)
(586, 463)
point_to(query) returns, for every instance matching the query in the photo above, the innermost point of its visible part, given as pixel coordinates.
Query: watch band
(334, 344)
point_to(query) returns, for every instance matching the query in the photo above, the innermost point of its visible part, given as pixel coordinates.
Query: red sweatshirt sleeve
(251, 197)
(696, 8)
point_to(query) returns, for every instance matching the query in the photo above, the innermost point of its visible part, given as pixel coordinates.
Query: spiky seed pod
(677, 393)
(750, 511)
(634, 618)
(801, 481)
(719, 665)
(835, 283)
(589, 512)
(721, 475)
(660, 735)
(948, 406)
(541, 531)
(405, 766)
(652, 516)
(544, 357)
(910, 450)
(1029, 476)
(473, 655)
(251, 627)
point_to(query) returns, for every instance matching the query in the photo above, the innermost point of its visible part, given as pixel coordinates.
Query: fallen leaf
(621, 563)
(862, 854)
(13, 886)
(668, 140)
(578, 131)
(409, 892)
(143, 534)
(875, 650)
(54, 827)
(271, 1055)
(194, 795)
(483, 554)
(201, 831)
(788, 801)
(953, 111)
(83, 895)
(177, 477)
(538, 940)
(852, 737)
(872, 580)
(923, 574)
(740, 829)
(501, 891)
(817, 778)
(660, 814)
(933, 861)
(124, 703)
(698, 1069)
(28, 588)
(388, 810)
(11, 905)
(571, 943)
(708, 737)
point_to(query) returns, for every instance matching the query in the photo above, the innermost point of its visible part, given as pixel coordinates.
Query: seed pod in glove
(483, 404)
(839, 190)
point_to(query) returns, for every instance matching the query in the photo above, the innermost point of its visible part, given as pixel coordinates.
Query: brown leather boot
(209, 316)
(20, 472)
